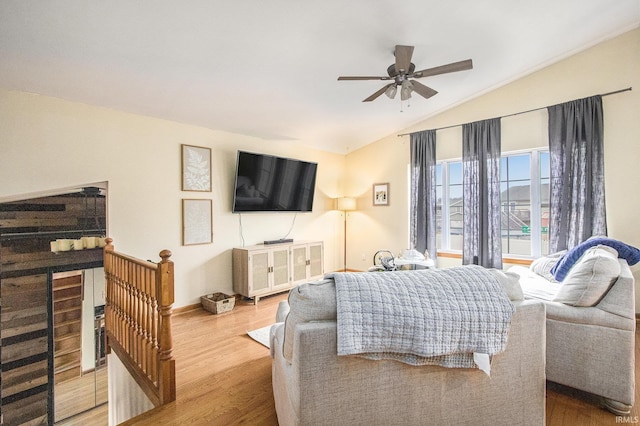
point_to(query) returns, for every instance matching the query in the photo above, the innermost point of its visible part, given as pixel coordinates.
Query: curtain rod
(516, 113)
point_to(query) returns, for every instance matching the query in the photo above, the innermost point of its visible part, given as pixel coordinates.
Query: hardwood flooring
(78, 394)
(224, 377)
(99, 416)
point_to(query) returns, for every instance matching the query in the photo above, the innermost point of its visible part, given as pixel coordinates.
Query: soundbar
(281, 241)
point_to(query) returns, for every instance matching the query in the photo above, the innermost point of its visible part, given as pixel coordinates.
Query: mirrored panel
(80, 368)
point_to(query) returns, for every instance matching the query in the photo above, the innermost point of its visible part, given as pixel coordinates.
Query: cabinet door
(280, 268)
(299, 267)
(259, 267)
(316, 269)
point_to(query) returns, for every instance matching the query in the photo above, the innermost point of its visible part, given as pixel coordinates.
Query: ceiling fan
(403, 70)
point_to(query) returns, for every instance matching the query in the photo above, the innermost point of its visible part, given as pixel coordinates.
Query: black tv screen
(265, 183)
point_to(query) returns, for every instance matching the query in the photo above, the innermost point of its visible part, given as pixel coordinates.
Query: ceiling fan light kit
(402, 70)
(391, 91)
(405, 90)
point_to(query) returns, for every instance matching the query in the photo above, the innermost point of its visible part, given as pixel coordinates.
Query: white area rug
(261, 335)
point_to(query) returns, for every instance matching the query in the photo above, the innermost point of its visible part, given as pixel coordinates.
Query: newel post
(109, 244)
(167, 376)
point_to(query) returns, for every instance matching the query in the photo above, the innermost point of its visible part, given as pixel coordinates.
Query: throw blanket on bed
(422, 317)
(625, 251)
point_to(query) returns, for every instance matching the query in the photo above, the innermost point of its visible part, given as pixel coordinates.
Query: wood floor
(80, 393)
(224, 377)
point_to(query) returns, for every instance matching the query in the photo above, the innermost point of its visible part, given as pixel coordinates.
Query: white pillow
(590, 278)
(542, 265)
(510, 282)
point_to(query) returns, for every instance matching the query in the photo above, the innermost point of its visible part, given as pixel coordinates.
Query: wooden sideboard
(261, 270)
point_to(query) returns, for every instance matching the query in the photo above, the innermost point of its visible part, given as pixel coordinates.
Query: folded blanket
(422, 317)
(625, 251)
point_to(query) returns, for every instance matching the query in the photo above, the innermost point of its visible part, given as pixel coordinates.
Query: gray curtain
(423, 192)
(481, 193)
(577, 204)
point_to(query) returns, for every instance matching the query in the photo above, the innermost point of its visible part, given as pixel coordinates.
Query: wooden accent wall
(27, 227)
(25, 382)
(26, 265)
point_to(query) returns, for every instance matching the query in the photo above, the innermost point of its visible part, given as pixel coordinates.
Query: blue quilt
(625, 251)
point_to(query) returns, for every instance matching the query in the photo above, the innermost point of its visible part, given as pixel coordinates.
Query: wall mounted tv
(265, 183)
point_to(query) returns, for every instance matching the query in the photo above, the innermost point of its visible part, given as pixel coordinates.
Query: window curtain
(482, 242)
(577, 203)
(423, 192)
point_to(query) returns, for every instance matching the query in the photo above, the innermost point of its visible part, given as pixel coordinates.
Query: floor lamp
(346, 204)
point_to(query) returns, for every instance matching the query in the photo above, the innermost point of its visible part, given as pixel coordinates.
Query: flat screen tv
(265, 183)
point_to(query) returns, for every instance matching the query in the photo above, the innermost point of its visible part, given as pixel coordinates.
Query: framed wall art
(380, 194)
(197, 222)
(196, 168)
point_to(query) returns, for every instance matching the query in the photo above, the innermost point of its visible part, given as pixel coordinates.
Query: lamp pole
(345, 242)
(346, 204)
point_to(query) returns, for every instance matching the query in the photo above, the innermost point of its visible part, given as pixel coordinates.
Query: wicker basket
(218, 303)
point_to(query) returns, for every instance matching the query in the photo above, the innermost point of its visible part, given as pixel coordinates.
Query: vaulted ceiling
(269, 69)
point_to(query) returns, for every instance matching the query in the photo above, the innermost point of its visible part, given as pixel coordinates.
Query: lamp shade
(391, 91)
(346, 204)
(405, 90)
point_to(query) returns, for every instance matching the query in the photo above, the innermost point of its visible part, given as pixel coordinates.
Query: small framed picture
(380, 194)
(196, 168)
(197, 222)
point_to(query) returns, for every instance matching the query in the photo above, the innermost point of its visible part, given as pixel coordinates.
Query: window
(524, 206)
(545, 191)
(515, 204)
(439, 206)
(449, 188)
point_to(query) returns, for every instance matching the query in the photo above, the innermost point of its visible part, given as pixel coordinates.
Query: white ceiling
(269, 68)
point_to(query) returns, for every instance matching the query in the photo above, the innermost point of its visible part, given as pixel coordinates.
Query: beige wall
(609, 66)
(49, 143)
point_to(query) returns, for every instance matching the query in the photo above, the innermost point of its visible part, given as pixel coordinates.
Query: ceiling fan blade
(443, 69)
(422, 90)
(378, 93)
(344, 78)
(403, 57)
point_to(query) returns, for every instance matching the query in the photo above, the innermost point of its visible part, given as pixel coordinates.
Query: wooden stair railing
(139, 297)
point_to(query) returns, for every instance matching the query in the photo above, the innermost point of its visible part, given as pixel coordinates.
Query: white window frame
(536, 202)
(445, 211)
